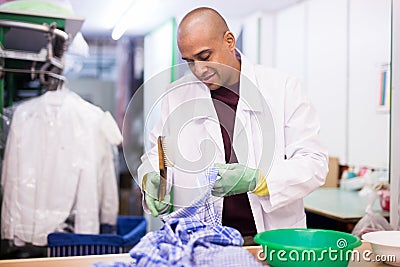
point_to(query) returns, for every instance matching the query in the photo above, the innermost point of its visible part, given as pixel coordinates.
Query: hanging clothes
(58, 164)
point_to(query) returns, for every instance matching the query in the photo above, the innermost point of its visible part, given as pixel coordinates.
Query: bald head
(204, 20)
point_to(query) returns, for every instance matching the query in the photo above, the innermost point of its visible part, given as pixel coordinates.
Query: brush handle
(162, 190)
(163, 169)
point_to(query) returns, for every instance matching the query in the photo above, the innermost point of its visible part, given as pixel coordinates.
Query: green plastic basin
(307, 247)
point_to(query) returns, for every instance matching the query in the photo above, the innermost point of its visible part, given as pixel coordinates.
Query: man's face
(208, 57)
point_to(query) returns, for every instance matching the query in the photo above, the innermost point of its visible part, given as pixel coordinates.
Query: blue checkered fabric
(203, 207)
(193, 236)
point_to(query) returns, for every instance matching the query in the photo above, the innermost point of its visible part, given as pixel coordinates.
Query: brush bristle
(167, 151)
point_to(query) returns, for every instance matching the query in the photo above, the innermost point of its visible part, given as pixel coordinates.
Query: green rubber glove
(238, 179)
(150, 185)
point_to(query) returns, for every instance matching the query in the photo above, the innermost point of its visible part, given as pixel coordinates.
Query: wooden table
(367, 261)
(87, 261)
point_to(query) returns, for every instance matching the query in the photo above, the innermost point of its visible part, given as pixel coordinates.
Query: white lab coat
(58, 162)
(276, 130)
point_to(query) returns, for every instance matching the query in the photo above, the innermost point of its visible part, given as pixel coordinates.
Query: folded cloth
(193, 236)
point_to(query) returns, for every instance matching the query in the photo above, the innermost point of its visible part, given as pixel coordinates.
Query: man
(263, 128)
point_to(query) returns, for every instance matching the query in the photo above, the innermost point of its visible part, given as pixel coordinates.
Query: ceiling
(141, 16)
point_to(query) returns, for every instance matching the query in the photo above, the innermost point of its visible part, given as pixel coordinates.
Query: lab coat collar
(249, 92)
(249, 100)
(249, 96)
(204, 113)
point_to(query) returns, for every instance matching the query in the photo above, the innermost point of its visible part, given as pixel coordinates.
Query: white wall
(267, 42)
(251, 37)
(290, 40)
(369, 47)
(326, 69)
(258, 38)
(336, 48)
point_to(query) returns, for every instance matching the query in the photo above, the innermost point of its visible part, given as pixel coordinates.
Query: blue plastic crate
(130, 229)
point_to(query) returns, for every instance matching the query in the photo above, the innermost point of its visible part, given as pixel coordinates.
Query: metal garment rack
(44, 65)
(45, 56)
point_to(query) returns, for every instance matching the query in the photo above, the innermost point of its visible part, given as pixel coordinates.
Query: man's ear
(230, 40)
